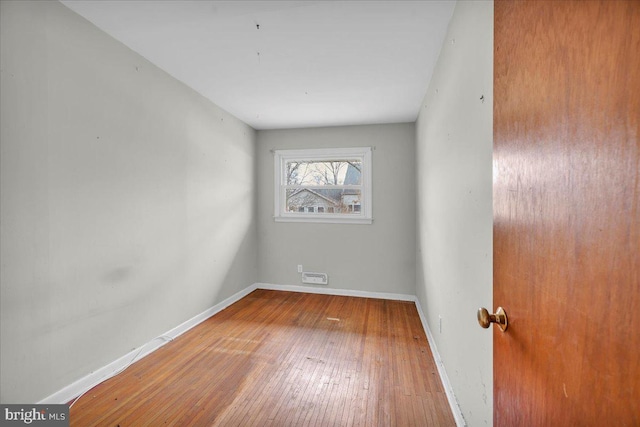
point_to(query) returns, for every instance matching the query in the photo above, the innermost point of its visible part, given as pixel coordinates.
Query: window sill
(325, 220)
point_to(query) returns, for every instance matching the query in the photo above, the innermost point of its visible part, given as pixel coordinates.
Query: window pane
(326, 200)
(333, 172)
(330, 185)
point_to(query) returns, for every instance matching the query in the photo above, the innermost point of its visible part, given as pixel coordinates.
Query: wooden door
(566, 212)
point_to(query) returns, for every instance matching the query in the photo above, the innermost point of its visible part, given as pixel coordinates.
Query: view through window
(328, 185)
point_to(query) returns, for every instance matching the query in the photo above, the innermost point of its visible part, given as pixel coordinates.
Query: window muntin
(327, 185)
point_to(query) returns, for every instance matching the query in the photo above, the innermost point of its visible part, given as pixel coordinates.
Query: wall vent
(315, 278)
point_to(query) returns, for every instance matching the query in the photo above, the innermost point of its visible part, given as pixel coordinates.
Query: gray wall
(454, 148)
(127, 201)
(377, 258)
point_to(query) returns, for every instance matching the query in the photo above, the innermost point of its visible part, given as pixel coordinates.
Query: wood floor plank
(282, 359)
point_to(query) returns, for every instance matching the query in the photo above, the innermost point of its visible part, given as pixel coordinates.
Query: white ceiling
(286, 64)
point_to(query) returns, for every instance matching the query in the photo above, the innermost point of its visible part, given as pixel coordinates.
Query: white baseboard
(448, 389)
(89, 381)
(333, 291)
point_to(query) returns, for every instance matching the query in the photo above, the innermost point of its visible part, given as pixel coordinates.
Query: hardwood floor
(282, 359)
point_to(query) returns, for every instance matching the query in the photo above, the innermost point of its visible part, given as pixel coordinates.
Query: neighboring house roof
(353, 175)
(319, 193)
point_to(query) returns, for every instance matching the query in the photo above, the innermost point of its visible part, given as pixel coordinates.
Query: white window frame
(361, 153)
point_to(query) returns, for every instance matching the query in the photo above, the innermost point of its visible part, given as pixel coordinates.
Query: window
(324, 185)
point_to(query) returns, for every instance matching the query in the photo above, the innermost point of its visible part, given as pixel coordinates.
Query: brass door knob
(500, 318)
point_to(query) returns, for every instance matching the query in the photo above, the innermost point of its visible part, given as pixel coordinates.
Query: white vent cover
(315, 278)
